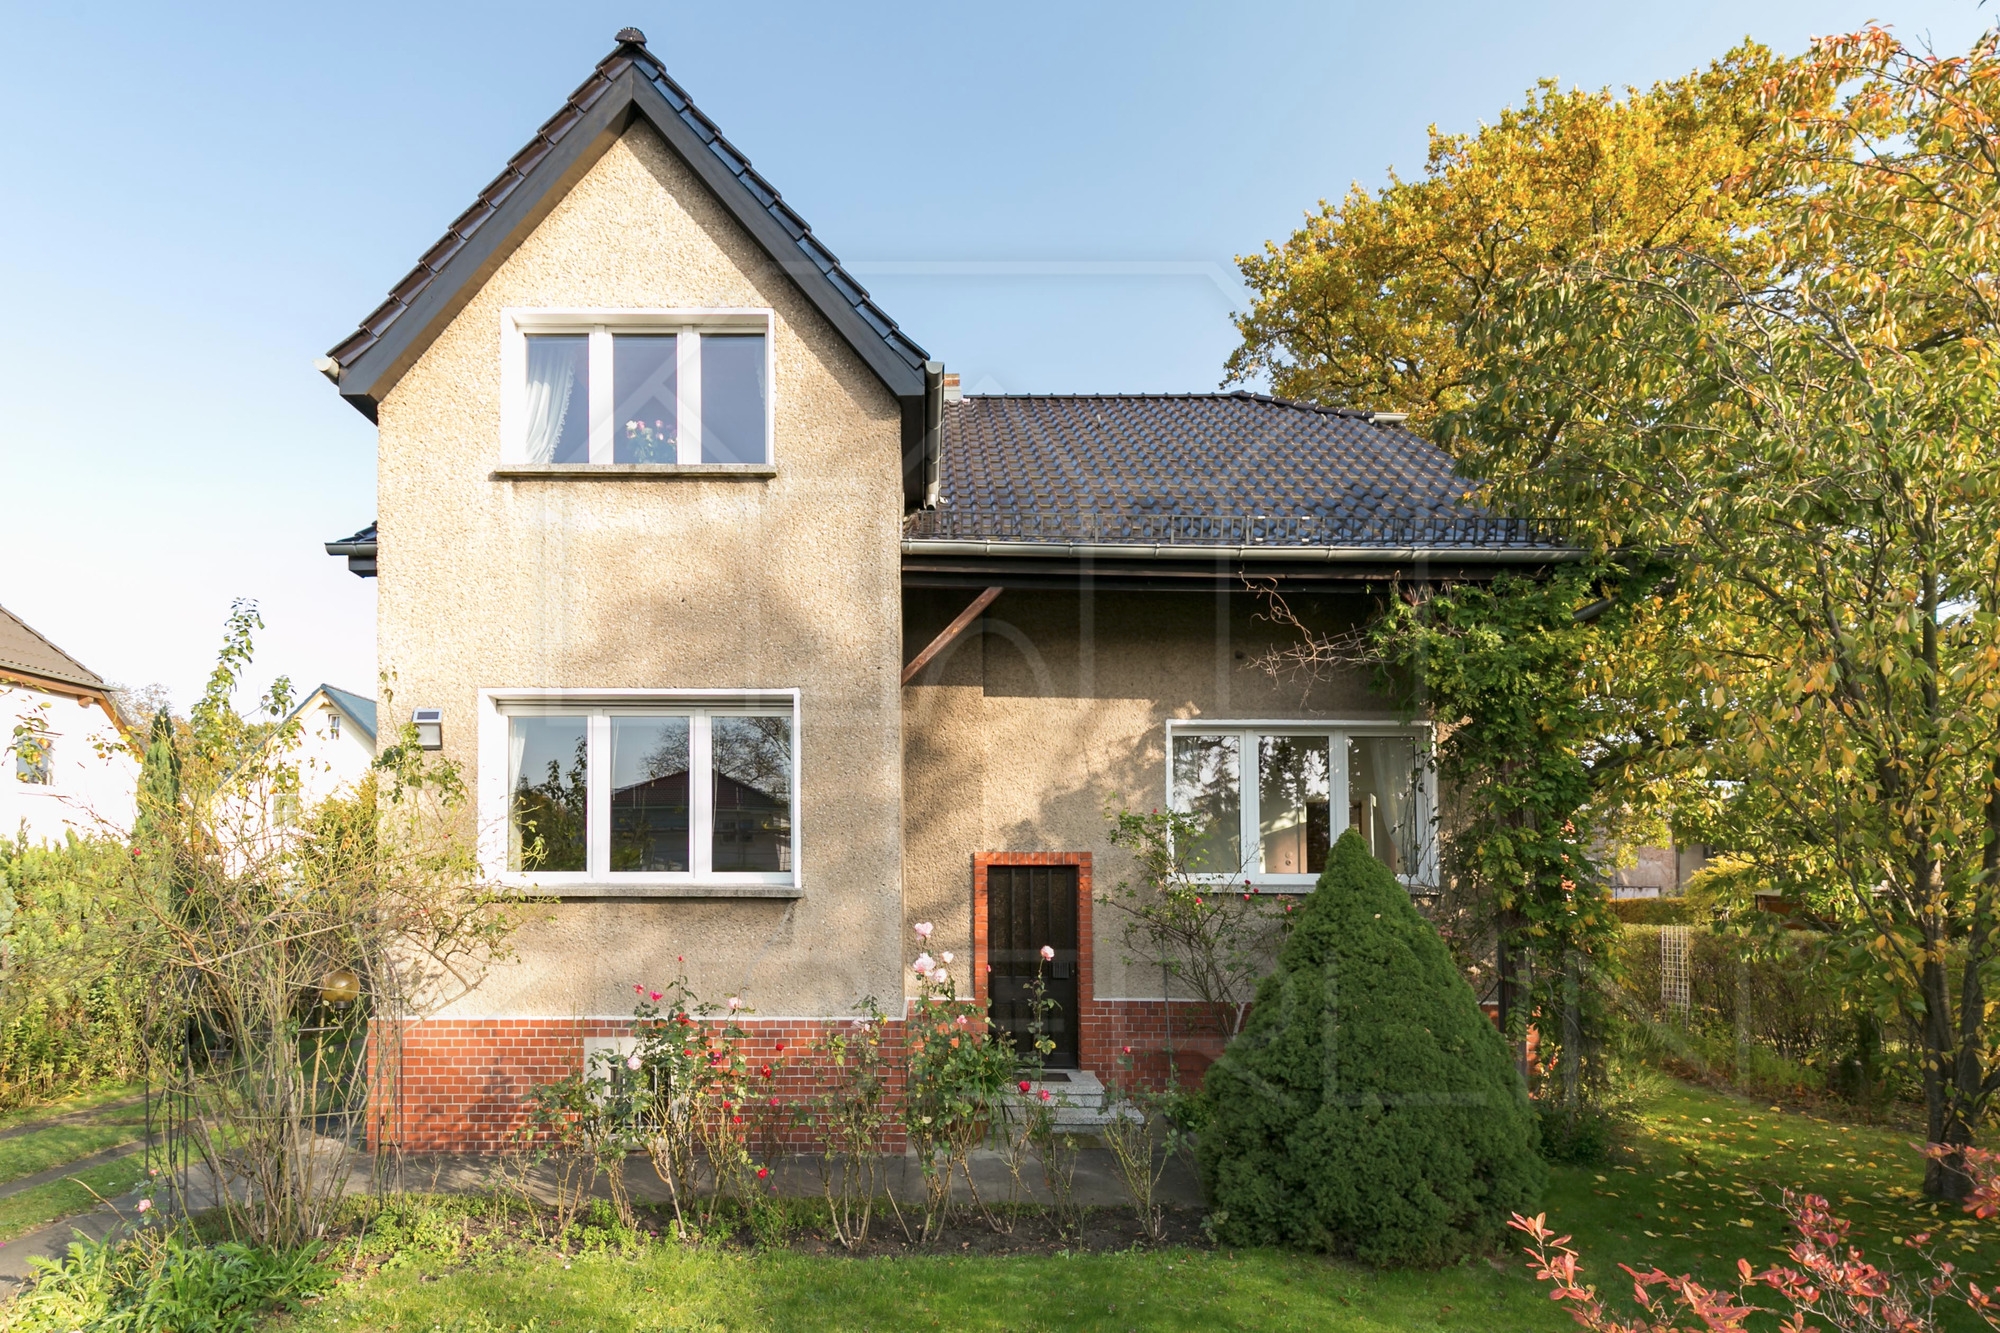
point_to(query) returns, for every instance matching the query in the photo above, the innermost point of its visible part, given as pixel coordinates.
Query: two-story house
(760, 643)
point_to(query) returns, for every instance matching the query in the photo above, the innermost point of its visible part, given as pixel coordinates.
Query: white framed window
(332, 725)
(1273, 797)
(635, 788)
(689, 388)
(34, 760)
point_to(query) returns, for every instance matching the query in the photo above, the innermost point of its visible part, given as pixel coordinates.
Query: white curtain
(1393, 765)
(552, 366)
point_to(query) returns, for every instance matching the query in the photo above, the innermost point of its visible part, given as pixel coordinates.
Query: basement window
(646, 790)
(1271, 799)
(636, 389)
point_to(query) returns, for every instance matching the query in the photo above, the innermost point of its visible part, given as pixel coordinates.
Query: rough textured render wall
(787, 582)
(1055, 709)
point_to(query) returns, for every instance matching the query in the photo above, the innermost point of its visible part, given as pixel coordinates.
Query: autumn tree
(1800, 417)
(1367, 304)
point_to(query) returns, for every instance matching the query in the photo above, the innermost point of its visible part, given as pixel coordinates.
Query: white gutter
(1301, 554)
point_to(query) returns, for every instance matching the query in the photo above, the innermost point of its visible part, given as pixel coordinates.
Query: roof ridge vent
(631, 37)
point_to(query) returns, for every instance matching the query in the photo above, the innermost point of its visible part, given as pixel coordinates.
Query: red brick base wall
(463, 1084)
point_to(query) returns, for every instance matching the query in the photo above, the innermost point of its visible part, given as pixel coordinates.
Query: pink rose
(632, 1062)
(734, 1004)
(145, 1204)
(923, 929)
(1048, 954)
(1045, 1094)
(945, 957)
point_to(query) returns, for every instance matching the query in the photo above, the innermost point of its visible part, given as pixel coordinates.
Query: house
(759, 642)
(336, 742)
(67, 765)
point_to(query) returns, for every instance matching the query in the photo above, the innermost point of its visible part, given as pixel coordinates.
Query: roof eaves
(371, 359)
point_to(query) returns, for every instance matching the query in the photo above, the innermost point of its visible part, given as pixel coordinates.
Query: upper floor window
(589, 387)
(332, 725)
(1272, 799)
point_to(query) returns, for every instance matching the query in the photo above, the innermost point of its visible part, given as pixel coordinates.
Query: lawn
(54, 1145)
(1693, 1189)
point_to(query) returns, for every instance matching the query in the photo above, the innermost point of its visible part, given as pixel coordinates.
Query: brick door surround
(1086, 1003)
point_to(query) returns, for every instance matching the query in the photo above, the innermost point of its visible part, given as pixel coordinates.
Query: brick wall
(462, 1085)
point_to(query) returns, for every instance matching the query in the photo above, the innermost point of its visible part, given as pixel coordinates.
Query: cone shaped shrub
(1368, 1107)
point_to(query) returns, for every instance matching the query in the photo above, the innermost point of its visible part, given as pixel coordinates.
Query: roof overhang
(965, 564)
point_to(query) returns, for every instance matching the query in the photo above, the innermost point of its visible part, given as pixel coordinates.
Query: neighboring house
(65, 766)
(336, 744)
(759, 643)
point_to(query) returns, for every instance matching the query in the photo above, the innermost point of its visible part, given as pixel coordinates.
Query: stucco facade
(782, 582)
(1052, 713)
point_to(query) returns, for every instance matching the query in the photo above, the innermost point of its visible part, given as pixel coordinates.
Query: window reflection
(549, 767)
(732, 398)
(1294, 805)
(643, 382)
(649, 794)
(752, 762)
(1382, 788)
(1207, 773)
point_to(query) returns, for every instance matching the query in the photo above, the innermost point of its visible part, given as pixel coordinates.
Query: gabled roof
(1200, 470)
(359, 711)
(629, 85)
(24, 653)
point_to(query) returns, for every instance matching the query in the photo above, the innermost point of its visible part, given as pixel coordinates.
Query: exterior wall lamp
(430, 728)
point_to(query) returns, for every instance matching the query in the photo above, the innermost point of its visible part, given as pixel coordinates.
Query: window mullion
(597, 797)
(701, 797)
(687, 397)
(602, 394)
(1249, 776)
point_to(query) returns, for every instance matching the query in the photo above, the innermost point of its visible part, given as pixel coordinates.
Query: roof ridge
(1245, 395)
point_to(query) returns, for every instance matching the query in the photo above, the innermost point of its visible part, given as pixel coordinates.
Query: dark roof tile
(1236, 469)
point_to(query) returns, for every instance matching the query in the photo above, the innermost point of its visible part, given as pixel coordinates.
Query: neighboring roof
(629, 84)
(359, 711)
(26, 653)
(360, 552)
(1200, 470)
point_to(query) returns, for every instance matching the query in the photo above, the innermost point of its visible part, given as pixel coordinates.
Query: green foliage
(165, 1282)
(1804, 420)
(847, 1113)
(1367, 304)
(1212, 941)
(1369, 1107)
(71, 1006)
(957, 1067)
(1513, 676)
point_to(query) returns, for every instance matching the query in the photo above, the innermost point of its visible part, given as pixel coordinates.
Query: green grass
(670, 1288)
(1696, 1188)
(85, 1101)
(58, 1199)
(57, 1144)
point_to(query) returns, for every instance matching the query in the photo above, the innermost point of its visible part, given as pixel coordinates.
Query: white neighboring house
(64, 762)
(336, 742)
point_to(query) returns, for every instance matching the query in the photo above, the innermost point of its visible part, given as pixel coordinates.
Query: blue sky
(200, 199)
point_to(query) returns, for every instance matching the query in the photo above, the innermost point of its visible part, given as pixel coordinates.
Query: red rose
(1024, 1085)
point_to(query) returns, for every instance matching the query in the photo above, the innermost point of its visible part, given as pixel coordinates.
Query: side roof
(24, 653)
(1202, 471)
(360, 711)
(630, 85)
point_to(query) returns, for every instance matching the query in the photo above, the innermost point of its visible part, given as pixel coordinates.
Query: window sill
(633, 471)
(601, 890)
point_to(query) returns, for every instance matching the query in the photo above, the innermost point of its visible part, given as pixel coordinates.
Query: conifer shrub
(1368, 1108)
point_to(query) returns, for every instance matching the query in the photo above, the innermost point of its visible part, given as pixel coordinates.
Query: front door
(1029, 908)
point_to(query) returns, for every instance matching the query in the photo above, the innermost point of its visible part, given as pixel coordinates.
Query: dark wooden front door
(1027, 908)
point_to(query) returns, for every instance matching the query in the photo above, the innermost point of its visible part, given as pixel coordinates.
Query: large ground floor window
(1271, 798)
(636, 789)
